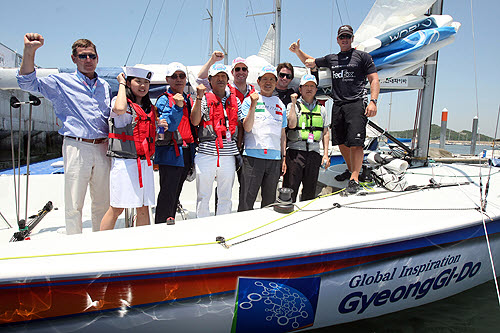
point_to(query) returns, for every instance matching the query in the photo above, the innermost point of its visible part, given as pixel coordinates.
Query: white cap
(268, 69)
(239, 60)
(308, 78)
(174, 67)
(139, 72)
(216, 69)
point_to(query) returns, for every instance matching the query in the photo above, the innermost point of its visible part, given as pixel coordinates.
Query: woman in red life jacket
(216, 113)
(131, 144)
(175, 151)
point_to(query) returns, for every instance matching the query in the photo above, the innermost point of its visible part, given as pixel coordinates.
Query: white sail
(267, 49)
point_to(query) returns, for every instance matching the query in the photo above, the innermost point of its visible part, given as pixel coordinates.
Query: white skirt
(124, 184)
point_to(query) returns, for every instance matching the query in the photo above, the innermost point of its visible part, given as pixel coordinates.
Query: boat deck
(333, 223)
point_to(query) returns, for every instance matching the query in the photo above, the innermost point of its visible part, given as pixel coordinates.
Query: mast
(277, 20)
(211, 36)
(425, 120)
(211, 27)
(226, 35)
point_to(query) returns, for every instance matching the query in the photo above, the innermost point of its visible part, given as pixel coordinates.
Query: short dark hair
(82, 43)
(286, 65)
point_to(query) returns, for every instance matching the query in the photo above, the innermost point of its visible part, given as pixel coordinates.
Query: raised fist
(295, 46)
(254, 97)
(217, 56)
(33, 41)
(121, 78)
(179, 100)
(200, 90)
(294, 97)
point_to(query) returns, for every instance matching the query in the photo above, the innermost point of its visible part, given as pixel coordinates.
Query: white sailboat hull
(340, 259)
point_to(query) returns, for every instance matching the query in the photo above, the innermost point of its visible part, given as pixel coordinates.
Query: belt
(94, 141)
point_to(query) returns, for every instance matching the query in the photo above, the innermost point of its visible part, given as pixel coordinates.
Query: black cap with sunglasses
(345, 30)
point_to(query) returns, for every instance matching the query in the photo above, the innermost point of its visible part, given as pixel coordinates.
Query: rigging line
(152, 30)
(412, 209)
(1, 215)
(491, 259)
(321, 212)
(172, 31)
(477, 113)
(284, 216)
(474, 54)
(137, 33)
(254, 22)
(14, 161)
(332, 31)
(492, 157)
(234, 41)
(283, 227)
(338, 10)
(220, 19)
(347, 12)
(476, 94)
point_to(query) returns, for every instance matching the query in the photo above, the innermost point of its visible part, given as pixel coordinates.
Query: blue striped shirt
(82, 109)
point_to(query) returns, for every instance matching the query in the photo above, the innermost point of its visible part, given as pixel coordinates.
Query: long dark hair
(146, 101)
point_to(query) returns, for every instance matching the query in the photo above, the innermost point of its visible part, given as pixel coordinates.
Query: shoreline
(463, 143)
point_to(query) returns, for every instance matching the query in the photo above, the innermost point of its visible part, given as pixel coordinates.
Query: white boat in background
(332, 260)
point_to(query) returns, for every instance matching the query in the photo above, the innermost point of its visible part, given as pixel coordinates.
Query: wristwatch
(374, 100)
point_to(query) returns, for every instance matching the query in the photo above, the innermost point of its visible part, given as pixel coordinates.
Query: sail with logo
(400, 36)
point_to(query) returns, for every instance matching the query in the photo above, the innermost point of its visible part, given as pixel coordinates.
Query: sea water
(463, 150)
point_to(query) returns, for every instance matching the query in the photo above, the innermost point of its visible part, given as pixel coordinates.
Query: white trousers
(206, 172)
(85, 165)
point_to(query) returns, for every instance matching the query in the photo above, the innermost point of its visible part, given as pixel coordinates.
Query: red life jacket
(185, 132)
(217, 125)
(141, 132)
(240, 95)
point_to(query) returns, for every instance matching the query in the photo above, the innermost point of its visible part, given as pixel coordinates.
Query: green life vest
(310, 122)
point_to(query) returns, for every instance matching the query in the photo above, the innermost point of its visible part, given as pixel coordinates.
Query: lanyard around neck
(89, 88)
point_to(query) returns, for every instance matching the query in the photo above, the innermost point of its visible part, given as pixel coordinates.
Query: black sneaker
(343, 176)
(352, 187)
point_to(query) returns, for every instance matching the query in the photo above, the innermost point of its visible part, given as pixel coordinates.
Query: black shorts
(349, 123)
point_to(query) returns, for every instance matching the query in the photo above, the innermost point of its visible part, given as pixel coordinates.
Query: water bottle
(161, 133)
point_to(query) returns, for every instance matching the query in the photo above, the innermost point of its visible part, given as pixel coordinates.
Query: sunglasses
(85, 56)
(344, 36)
(180, 76)
(237, 69)
(288, 76)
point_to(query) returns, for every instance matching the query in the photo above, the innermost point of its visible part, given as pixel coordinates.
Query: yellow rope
(282, 217)
(163, 247)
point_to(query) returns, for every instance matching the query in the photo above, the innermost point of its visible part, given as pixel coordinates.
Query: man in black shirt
(349, 69)
(285, 76)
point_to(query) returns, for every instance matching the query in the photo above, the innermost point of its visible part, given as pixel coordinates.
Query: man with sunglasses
(175, 152)
(81, 101)
(350, 69)
(285, 77)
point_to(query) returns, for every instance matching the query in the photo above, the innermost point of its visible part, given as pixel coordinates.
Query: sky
(178, 31)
